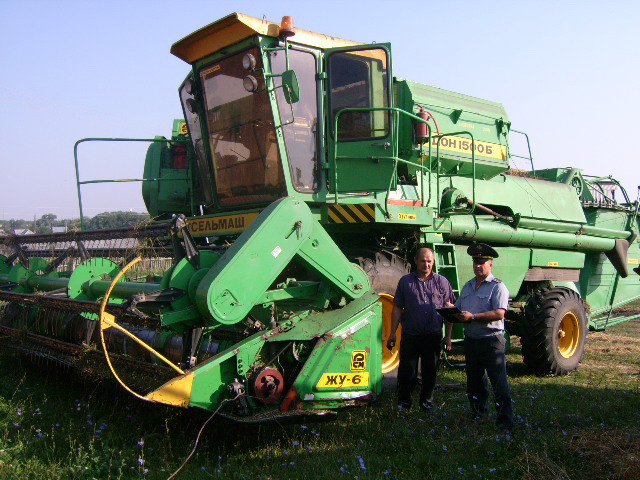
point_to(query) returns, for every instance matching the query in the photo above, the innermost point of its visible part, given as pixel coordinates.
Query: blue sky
(568, 74)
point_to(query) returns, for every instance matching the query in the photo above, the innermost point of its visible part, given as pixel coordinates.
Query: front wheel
(384, 270)
(555, 333)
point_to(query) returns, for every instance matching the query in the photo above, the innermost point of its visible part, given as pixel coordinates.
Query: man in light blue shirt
(484, 300)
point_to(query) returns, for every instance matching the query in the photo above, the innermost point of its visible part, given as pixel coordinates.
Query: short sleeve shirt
(419, 300)
(492, 294)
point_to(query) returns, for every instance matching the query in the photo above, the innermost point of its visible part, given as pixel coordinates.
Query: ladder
(447, 266)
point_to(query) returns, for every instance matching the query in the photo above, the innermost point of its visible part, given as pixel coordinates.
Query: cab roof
(237, 26)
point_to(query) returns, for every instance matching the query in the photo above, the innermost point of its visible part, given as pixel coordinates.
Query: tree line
(101, 221)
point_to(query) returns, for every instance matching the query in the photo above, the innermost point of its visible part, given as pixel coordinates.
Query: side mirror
(290, 86)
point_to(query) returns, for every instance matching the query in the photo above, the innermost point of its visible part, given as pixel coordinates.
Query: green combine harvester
(286, 206)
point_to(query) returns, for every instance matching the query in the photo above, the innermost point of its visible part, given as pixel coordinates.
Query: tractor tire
(555, 333)
(384, 270)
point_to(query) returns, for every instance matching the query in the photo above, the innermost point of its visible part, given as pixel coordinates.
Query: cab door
(360, 145)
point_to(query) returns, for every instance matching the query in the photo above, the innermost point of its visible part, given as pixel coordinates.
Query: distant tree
(115, 220)
(44, 224)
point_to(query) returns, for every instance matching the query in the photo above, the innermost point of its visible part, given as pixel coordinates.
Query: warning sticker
(343, 380)
(407, 216)
(183, 128)
(552, 264)
(633, 261)
(359, 360)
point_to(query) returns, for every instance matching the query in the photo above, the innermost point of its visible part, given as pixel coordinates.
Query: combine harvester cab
(287, 205)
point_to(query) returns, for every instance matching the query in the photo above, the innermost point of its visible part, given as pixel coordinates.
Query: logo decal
(359, 360)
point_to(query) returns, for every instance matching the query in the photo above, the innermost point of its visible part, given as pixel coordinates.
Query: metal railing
(394, 154)
(121, 180)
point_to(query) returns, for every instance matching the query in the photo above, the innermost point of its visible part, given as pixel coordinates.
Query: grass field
(582, 426)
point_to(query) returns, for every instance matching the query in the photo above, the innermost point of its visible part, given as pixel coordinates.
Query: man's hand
(449, 304)
(447, 344)
(464, 316)
(391, 341)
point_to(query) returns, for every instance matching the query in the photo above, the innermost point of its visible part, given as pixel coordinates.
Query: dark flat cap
(482, 251)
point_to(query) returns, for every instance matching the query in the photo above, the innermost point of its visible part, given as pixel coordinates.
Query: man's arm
(396, 316)
(447, 335)
(484, 317)
(448, 326)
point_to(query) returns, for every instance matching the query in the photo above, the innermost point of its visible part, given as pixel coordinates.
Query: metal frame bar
(394, 145)
(78, 182)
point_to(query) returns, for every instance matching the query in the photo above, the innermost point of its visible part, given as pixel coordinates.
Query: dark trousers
(482, 356)
(413, 348)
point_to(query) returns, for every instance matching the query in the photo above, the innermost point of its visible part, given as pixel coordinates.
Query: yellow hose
(107, 320)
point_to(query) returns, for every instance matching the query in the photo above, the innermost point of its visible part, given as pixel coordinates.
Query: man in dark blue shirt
(417, 297)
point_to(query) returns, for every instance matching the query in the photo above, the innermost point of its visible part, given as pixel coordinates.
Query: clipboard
(448, 313)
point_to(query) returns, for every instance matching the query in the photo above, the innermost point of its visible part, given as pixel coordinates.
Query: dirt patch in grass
(604, 342)
(613, 454)
(605, 350)
(608, 453)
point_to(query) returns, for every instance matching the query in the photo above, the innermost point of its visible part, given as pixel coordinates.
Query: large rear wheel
(385, 270)
(555, 334)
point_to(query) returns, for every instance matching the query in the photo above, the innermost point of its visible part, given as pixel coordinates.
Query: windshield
(195, 132)
(242, 137)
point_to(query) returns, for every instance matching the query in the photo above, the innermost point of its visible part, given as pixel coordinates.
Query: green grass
(582, 426)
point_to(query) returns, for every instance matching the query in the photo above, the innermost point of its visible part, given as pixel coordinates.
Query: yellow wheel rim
(390, 358)
(568, 334)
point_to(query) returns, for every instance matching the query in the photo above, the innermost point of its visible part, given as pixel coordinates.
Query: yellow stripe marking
(346, 213)
(359, 214)
(333, 216)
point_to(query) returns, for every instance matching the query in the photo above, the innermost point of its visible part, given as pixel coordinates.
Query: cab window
(359, 79)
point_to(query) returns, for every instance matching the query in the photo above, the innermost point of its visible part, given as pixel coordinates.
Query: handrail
(530, 158)
(97, 139)
(473, 167)
(394, 145)
(596, 179)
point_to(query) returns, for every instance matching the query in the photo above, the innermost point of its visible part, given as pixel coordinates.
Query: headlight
(192, 106)
(250, 83)
(189, 86)
(249, 61)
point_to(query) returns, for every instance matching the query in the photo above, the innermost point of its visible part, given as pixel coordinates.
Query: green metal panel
(328, 377)
(556, 258)
(284, 229)
(486, 121)
(510, 267)
(210, 378)
(527, 197)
